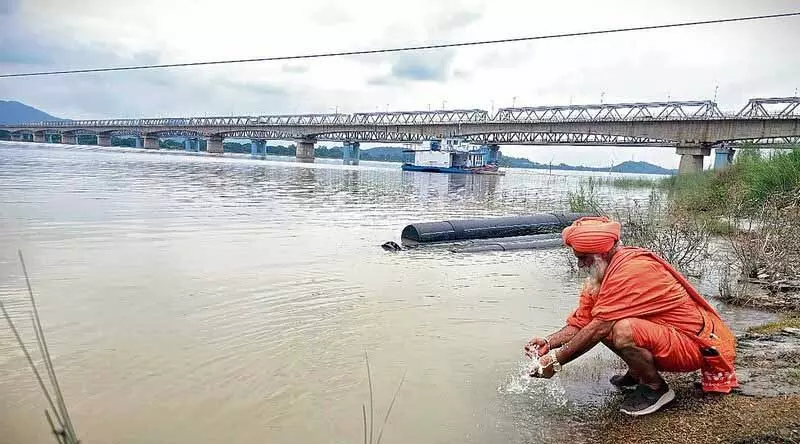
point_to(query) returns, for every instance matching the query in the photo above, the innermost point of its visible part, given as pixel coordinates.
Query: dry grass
(674, 234)
(766, 252)
(728, 419)
(769, 328)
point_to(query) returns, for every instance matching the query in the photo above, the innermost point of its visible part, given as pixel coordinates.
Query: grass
(769, 328)
(629, 182)
(717, 226)
(622, 182)
(794, 375)
(747, 184)
(584, 199)
(368, 437)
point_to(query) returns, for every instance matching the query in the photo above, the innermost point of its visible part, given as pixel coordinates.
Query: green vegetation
(631, 182)
(774, 327)
(624, 182)
(755, 205)
(747, 184)
(584, 199)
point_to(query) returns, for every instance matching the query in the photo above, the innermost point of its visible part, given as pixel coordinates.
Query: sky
(735, 61)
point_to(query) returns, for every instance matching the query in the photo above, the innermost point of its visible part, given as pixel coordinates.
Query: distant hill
(641, 167)
(14, 112)
(624, 167)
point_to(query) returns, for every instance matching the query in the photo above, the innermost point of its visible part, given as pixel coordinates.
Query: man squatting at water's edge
(643, 310)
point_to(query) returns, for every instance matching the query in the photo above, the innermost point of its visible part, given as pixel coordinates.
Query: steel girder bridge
(507, 125)
(693, 127)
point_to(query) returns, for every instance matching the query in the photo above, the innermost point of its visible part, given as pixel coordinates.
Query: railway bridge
(692, 128)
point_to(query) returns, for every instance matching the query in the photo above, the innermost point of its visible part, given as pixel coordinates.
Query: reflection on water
(203, 299)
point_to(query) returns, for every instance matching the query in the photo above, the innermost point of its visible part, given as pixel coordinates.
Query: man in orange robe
(646, 312)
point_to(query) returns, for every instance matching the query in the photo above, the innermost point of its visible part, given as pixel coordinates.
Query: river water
(194, 299)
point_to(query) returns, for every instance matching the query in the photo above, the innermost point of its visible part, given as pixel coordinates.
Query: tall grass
(584, 199)
(747, 184)
(777, 174)
(631, 182)
(622, 182)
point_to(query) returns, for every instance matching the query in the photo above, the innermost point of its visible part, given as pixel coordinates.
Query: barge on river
(452, 156)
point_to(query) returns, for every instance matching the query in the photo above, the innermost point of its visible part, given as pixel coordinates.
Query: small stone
(792, 331)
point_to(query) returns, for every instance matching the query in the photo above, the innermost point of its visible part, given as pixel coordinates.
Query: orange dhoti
(672, 350)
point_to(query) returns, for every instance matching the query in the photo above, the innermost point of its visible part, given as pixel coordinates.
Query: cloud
(294, 69)
(383, 80)
(461, 74)
(18, 51)
(48, 35)
(7, 7)
(456, 19)
(330, 14)
(433, 66)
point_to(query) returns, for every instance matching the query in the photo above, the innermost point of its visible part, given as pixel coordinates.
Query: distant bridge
(692, 127)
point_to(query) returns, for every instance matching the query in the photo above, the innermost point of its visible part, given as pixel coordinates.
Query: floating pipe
(529, 238)
(457, 230)
(499, 245)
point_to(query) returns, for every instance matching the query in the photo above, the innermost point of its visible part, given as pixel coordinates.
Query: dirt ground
(766, 409)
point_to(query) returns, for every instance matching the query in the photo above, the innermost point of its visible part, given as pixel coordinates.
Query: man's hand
(546, 369)
(538, 345)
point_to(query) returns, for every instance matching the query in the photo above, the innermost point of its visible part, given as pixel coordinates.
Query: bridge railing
(612, 112)
(420, 117)
(776, 107)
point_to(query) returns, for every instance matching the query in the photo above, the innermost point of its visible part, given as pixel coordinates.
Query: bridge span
(692, 128)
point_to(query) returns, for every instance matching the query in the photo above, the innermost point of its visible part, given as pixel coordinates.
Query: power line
(405, 48)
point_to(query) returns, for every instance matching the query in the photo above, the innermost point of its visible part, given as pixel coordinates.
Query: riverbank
(752, 207)
(752, 212)
(765, 409)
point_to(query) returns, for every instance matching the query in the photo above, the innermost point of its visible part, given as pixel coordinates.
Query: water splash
(549, 392)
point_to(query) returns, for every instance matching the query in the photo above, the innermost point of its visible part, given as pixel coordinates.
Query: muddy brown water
(193, 299)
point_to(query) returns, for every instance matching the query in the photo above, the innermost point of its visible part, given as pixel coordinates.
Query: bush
(584, 199)
(743, 187)
(777, 174)
(682, 240)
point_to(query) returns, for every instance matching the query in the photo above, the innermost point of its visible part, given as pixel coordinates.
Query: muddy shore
(765, 409)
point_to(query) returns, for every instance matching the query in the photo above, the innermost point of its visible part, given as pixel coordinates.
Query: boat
(452, 155)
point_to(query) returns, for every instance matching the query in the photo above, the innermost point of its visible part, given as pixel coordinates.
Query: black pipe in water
(503, 245)
(456, 230)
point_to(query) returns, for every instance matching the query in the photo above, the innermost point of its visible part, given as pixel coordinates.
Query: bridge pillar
(494, 154)
(69, 139)
(137, 141)
(151, 142)
(723, 156)
(692, 158)
(214, 145)
(103, 140)
(187, 144)
(258, 147)
(38, 137)
(304, 150)
(352, 153)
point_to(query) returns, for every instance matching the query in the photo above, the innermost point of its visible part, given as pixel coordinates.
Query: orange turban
(591, 235)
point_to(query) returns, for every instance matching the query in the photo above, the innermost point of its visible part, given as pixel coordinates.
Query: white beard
(595, 274)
